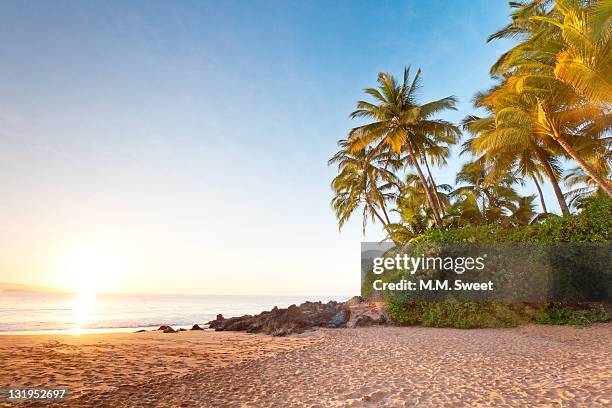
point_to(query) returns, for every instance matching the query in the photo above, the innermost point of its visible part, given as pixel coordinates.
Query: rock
(339, 319)
(140, 331)
(197, 327)
(220, 321)
(355, 300)
(282, 322)
(356, 312)
(367, 314)
(363, 321)
(166, 329)
(281, 332)
(181, 329)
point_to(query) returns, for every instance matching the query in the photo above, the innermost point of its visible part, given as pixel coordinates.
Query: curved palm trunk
(604, 184)
(434, 188)
(553, 180)
(483, 211)
(424, 184)
(542, 202)
(373, 209)
(491, 202)
(377, 215)
(384, 210)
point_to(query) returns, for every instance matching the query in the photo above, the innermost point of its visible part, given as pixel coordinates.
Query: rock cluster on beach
(166, 329)
(297, 319)
(356, 312)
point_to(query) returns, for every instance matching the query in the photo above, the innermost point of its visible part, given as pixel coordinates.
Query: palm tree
(484, 197)
(524, 212)
(585, 60)
(402, 124)
(366, 180)
(508, 137)
(416, 216)
(563, 62)
(437, 151)
(536, 181)
(599, 156)
(567, 127)
(581, 186)
(568, 40)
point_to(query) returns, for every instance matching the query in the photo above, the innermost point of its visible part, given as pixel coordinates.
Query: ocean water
(28, 312)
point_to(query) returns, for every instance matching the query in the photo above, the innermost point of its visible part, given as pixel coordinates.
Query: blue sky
(187, 142)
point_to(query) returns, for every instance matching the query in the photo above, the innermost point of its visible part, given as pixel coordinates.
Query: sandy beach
(377, 366)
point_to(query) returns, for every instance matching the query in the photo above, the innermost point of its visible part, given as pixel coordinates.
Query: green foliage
(464, 315)
(550, 103)
(592, 224)
(472, 315)
(558, 313)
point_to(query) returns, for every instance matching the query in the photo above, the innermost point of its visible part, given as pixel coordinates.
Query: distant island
(19, 287)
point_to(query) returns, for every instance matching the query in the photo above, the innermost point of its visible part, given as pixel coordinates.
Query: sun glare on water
(82, 307)
(87, 270)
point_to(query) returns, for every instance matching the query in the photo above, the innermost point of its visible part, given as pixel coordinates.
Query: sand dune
(379, 366)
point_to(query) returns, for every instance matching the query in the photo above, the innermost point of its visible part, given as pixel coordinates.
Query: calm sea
(50, 312)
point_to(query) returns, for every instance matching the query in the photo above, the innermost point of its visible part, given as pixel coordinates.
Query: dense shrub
(471, 315)
(466, 315)
(559, 313)
(592, 224)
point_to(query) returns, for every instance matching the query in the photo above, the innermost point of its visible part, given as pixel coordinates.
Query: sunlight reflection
(82, 307)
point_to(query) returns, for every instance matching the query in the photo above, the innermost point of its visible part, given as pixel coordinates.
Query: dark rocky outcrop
(309, 315)
(197, 327)
(166, 329)
(366, 313)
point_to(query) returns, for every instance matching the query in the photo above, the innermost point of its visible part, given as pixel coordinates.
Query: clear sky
(182, 147)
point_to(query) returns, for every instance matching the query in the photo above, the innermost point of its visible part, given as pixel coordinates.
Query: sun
(89, 268)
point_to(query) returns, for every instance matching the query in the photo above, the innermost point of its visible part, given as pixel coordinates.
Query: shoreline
(35, 313)
(77, 332)
(307, 316)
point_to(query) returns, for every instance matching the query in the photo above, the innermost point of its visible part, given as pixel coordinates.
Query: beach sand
(377, 367)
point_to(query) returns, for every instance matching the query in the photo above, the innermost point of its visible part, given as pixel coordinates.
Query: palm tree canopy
(398, 119)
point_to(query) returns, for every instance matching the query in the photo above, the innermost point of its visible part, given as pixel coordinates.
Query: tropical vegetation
(545, 121)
